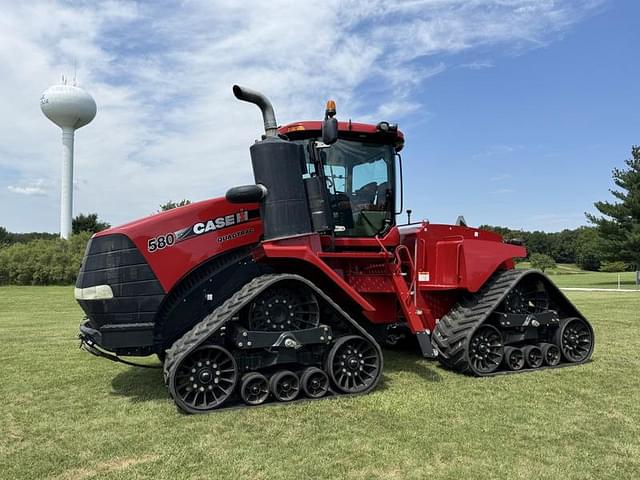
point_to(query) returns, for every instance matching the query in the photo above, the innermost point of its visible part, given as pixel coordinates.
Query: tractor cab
(357, 170)
(335, 179)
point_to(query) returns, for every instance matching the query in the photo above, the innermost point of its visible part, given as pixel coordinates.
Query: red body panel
(173, 262)
(414, 272)
(454, 257)
(419, 279)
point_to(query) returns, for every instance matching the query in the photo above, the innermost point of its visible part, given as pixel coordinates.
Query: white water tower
(69, 107)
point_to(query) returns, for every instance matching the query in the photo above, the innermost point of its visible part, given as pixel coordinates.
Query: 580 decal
(160, 242)
(202, 228)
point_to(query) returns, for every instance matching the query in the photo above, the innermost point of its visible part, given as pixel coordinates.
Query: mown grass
(569, 275)
(68, 415)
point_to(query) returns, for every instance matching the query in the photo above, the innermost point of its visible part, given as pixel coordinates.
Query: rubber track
(453, 332)
(216, 319)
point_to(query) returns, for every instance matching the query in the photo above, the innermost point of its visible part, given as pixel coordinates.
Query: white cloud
(478, 65)
(34, 188)
(501, 177)
(168, 126)
(502, 191)
(497, 150)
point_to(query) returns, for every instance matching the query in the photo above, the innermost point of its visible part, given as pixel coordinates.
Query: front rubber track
(208, 326)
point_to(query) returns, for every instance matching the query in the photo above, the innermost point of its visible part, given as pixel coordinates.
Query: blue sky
(515, 111)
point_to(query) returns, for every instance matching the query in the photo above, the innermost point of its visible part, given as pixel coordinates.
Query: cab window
(358, 179)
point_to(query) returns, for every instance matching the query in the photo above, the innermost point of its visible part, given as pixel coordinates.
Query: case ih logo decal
(202, 228)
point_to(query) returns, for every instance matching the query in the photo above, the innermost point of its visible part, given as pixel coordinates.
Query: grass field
(68, 415)
(568, 275)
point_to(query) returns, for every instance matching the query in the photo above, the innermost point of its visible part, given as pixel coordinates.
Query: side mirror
(330, 131)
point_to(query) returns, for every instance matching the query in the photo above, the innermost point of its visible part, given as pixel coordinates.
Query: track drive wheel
(574, 337)
(513, 358)
(314, 382)
(550, 353)
(354, 364)
(284, 385)
(204, 379)
(254, 388)
(486, 350)
(533, 356)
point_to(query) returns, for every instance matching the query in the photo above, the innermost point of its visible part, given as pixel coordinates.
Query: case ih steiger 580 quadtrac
(287, 288)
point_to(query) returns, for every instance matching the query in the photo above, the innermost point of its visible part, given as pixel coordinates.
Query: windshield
(359, 178)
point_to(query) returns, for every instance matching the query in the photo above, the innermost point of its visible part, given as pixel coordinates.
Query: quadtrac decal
(202, 228)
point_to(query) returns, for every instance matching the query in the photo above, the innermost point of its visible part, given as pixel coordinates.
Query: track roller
(354, 364)
(314, 382)
(550, 353)
(575, 339)
(513, 358)
(284, 385)
(254, 388)
(533, 356)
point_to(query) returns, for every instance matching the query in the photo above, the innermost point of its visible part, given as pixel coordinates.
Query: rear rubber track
(454, 331)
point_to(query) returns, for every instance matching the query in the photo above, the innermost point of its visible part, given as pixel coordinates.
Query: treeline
(612, 244)
(41, 258)
(43, 261)
(9, 238)
(582, 246)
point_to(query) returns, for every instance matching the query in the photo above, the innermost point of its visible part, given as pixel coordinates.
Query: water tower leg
(66, 190)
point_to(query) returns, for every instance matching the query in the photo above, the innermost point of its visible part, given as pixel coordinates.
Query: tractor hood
(176, 241)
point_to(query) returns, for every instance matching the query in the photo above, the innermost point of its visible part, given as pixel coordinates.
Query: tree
(588, 247)
(619, 227)
(170, 205)
(541, 261)
(5, 237)
(563, 246)
(88, 223)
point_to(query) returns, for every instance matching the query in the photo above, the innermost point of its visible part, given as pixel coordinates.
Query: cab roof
(347, 130)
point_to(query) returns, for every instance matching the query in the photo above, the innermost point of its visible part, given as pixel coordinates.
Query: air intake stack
(277, 168)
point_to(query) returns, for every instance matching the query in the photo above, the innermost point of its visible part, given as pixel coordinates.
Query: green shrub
(43, 262)
(541, 261)
(614, 267)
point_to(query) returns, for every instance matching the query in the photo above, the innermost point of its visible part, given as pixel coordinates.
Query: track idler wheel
(574, 337)
(314, 382)
(550, 353)
(533, 356)
(354, 364)
(284, 385)
(513, 358)
(485, 350)
(205, 379)
(254, 388)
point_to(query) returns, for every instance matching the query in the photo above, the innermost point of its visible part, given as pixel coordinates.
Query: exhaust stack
(263, 103)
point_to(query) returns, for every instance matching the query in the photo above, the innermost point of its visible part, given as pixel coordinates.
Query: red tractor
(287, 288)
